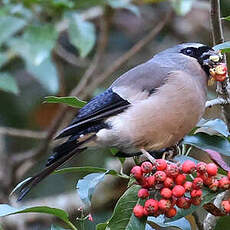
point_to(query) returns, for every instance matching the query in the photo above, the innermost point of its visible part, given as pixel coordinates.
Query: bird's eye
(188, 51)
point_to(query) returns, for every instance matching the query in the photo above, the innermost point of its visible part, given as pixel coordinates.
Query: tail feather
(28, 185)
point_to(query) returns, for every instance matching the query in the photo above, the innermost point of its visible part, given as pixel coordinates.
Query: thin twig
(217, 32)
(130, 53)
(22, 133)
(70, 57)
(217, 101)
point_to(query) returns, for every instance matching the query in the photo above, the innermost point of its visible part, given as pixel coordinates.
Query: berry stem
(188, 151)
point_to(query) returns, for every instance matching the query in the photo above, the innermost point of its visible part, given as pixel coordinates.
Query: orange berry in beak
(219, 72)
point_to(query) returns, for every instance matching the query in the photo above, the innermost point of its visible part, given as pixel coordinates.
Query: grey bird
(149, 108)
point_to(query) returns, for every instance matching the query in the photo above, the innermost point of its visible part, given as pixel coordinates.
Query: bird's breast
(159, 121)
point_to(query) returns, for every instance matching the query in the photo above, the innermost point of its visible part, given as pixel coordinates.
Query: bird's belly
(155, 123)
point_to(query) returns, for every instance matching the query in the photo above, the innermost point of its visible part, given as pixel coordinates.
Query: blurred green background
(46, 47)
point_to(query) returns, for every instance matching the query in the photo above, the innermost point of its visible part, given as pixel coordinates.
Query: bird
(149, 108)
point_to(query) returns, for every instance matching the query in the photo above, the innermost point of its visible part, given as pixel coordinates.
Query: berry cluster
(166, 185)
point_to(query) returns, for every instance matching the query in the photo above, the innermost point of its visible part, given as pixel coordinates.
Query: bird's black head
(205, 55)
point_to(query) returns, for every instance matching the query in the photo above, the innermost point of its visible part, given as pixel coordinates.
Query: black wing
(91, 116)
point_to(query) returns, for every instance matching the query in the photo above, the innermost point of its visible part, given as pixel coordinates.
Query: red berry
(229, 175)
(178, 191)
(196, 200)
(90, 218)
(143, 193)
(173, 201)
(224, 183)
(214, 185)
(201, 167)
(197, 183)
(161, 164)
(170, 213)
(208, 180)
(168, 183)
(143, 182)
(151, 206)
(225, 204)
(172, 170)
(180, 179)
(137, 172)
(145, 212)
(183, 202)
(166, 193)
(196, 193)
(146, 167)
(188, 166)
(160, 176)
(138, 211)
(188, 186)
(164, 204)
(211, 169)
(151, 181)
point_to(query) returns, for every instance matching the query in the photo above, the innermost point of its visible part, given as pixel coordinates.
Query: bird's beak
(217, 68)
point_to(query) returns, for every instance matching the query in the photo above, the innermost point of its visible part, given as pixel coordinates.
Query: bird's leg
(148, 155)
(170, 152)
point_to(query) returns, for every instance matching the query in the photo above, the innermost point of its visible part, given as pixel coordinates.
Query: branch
(130, 53)
(70, 57)
(210, 220)
(22, 133)
(217, 34)
(217, 101)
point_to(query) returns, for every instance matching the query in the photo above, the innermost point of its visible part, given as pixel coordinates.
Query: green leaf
(70, 101)
(224, 47)
(37, 43)
(82, 34)
(204, 141)
(182, 7)
(6, 210)
(101, 226)
(222, 223)
(9, 25)
(90, 170)
(207, 197)
(114, 151)
(227, 18)
(87, 185)
(3, 59)
(216, 125)
(83, 4)
(55, 227)
(126, 4)
(8, 83)
(62, 4)
(46, 74)
(123, 217)
(156, 222)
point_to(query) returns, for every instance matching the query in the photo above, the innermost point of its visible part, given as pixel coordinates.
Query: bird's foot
(148, 155)
(170, 153)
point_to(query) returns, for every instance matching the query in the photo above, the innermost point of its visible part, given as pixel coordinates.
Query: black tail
(28, 185)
